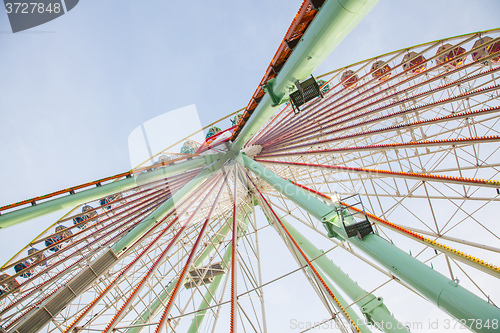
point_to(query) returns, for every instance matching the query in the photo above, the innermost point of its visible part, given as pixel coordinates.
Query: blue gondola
(89, 211)
(65, 234)
(53, 240)
(104, 201)
(78, 221)
(56, 240)
(323, 86)
(19, 267)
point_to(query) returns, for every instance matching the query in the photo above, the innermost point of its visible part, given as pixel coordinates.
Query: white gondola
(37, 256)
(9, 285)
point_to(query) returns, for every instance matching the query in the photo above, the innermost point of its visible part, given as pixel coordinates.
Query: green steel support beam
(209, 295)
(69, 201)
(163, 297)
(157, 304)
(332, 24)
(371, 306)
(212, 289)
(319, 259)
(153, 309)
(448, 295)
(64, 296)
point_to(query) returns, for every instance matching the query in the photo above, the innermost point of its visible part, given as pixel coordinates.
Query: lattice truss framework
(418, 140)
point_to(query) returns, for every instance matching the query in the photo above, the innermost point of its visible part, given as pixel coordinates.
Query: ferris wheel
(329, 196)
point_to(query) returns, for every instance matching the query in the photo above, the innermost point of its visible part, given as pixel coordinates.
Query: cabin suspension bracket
(370, 304)
(276, 98)
(329, 225)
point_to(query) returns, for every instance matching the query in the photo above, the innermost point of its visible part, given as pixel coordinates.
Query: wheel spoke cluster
(415, 132)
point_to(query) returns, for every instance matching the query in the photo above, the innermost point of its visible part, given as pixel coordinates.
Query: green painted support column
(163, 297)
(209, 296)
(443, 292)
(372, 306)
(157, 304)
(320, 262)
(214, 286)
(72, 200)
(64, 296)
(335, 20)
(153, 310)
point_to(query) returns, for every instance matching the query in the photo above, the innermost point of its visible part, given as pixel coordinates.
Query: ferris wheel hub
(252, 150)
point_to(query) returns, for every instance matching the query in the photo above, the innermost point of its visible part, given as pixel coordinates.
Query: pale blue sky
(72, 90)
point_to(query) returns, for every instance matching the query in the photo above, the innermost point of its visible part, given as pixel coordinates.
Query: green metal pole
(318, 258)
(64, 296)
(371, 306)
(157, 303)
(445, 293)
(209, 295)
(335, 20)
(163, 297)
(212, 290)
(70, 201)
(153, 309)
